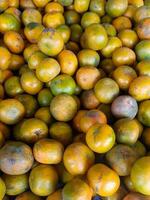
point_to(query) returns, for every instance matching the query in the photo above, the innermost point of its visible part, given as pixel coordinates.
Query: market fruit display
(74, 100)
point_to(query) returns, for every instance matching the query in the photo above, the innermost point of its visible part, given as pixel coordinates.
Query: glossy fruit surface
(68, 62)
(100, 138)
(142, 50)
(116, 8)
(77, 189)
(15, 184)
(32, 130)
(48, 151)
(8, 23)
(48, 40)
(140, 175)
(139, 88)
(63, 84)
(100, 185)
(68, 109)
(95, 37)
(30, 83)
(127, 131)
(143, 114)
(78, 164)
(109, 85)
(3, 188)
(90, 118)
(48, 69)
(43, 180)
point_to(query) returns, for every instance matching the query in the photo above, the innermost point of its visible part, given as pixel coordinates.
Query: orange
(18, 153)
(43, 180)
(90, 118)
(77, 189)
(68, 62)
(5, 58)
(100, 138)
(87, 77)
(14, 41)
(100, 177)
(48, 151)
(30, 83)
(78, 164)
(47, 69)
(48, 40)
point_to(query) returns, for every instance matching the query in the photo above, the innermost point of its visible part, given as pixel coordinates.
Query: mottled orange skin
(140, 87)
(61, 132)
(89, 100)
(121, 23)
(32, 31)
(43, 180)
(15, 184)
(77, 118)
(14, 41)
(53, 20)
(75, 163)
(40, 3)
(54, 7)
(16, 62)
(99, 177)
(48, 151)
(100, 138)
(123, 56)
(143, 29)
(68, 62)
(124, 75)
(121, 158)
(109, 85)
(15, 158)
(77, 189)
(30, 83)
(130, 11)
(128, 37)
(5, 58)
(29, 50)
(143, 68)
(26, 4)
(87, 77)
(32, 130)
(141, 13)
(31, 15)
(90, 118)
(68, 106)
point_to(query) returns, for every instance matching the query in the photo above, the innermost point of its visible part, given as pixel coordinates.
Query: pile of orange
(74, 99)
